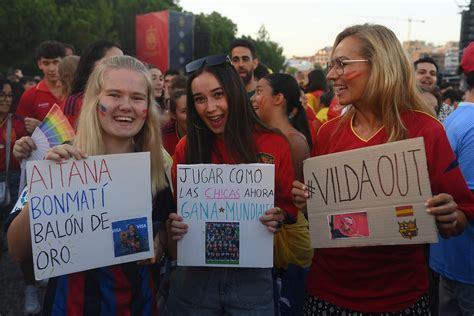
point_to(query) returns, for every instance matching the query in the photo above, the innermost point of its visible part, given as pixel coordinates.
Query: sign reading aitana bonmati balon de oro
(89, 213)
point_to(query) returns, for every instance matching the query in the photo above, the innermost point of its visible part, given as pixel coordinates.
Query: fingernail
(426, 204)
(428, 210)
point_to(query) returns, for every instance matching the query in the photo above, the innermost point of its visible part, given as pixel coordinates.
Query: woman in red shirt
(371, 72)
(18, 130)
(223, 129)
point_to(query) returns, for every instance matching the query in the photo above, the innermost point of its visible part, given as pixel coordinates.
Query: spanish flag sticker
(406, 210)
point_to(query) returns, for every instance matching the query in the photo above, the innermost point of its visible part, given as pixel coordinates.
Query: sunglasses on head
(214, 60)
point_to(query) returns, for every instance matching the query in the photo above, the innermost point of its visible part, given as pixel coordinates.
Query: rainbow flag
(406, 210)
(55, 127)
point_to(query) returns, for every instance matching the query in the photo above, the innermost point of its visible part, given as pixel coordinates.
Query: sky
(302, 27)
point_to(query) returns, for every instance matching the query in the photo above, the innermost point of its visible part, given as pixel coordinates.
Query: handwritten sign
(222, 205)
(370, 196)
(89, 213)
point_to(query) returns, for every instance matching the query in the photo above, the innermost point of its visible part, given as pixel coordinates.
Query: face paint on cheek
(145, 113)
(350, 75)
(102, 109)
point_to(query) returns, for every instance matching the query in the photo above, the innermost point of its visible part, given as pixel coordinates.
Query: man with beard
(36, 102)
(426, 70)
(244, 60)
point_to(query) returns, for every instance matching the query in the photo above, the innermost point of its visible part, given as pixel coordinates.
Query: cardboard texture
(222, 204)
(89, 213)
(370, 196)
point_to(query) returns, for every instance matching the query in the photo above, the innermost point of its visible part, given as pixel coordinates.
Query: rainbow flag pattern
(406, 210)
(56, 128)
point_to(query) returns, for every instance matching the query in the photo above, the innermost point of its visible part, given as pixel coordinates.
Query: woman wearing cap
(226, 130)
(370, 70)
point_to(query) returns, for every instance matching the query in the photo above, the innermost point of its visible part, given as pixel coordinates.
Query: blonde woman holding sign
(371, 72)
(118, 116)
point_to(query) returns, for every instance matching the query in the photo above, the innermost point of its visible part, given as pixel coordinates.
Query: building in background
(467, 28)
(451, 59)
(323, 56)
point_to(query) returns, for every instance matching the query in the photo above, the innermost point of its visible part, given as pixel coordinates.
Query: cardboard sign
(222, 205)
(89, 213)
(370, 196)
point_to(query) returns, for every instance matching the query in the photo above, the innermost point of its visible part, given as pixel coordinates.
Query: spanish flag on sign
(406, 210)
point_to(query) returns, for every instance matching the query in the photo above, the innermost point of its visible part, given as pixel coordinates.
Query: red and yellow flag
(406, 210)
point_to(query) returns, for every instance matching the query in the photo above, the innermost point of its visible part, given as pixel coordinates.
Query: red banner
(152, 39)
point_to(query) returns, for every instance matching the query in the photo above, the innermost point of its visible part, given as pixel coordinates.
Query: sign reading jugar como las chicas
(222, 205)
(370, 196)
(89, 213)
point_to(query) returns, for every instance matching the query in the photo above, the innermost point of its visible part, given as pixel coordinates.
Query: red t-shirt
(72, 107)
(272, 148)
(384, 278)
(169, 136)
(18, 131)
(36, 102)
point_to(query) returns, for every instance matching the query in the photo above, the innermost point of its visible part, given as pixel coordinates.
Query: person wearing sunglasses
(224, 129)
(371, 72)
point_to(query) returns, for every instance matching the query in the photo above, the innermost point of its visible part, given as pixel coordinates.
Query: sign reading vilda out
(370, 196)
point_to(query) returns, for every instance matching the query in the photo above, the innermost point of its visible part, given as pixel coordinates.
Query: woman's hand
(449, 219)
(300, 194)
(64, 152)
(31, 124)
(23, 148)
(178, 228)
(273, 219)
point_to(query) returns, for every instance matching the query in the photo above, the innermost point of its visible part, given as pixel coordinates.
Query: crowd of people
(231, 109)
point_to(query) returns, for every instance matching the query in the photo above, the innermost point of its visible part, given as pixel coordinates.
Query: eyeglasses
(214, 60)
(4, 95)
(338, 64)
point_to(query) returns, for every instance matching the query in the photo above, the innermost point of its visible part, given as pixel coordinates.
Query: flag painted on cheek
(145, 113)
(350, 75)
(102, 109)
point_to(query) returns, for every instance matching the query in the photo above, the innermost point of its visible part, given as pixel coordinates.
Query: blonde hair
(391, 88)
(89, 133)
(66, 69)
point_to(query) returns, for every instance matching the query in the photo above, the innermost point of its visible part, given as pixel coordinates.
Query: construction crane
(409, 26)
(409, 20)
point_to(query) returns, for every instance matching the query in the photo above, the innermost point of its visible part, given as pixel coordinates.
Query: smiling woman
(371, 72)
(223, 129)
(118, 116)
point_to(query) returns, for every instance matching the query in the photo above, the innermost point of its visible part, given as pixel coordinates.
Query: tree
(291, 70)
(83, 22)
(269, 52)
(23, 25)
(215, 31)
(26, 23)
